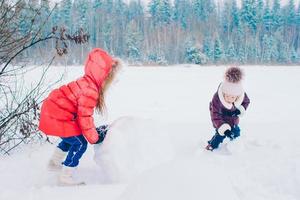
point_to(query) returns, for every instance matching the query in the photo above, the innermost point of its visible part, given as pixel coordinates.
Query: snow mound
(132, 145)
(182, 179)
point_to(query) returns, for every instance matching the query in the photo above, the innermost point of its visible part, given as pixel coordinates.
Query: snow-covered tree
(160, 11)
(157, 58)
(226, 19)
(218, 51)
(81, 6)
(267, 18)
(66, 6)
(56, 16)
(291, 13)
(283, 52)
(294, 57)
(208, 48)
(235, 17)
(193, 54)
(248, 14)
(276, 15)
(134, 43)
(269, 52)
(230, 53)
(106, 32)
(181, 12)
(203, 9)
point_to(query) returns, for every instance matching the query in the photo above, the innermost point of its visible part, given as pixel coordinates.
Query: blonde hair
(101, 107)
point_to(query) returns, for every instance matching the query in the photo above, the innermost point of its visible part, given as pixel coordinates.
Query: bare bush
(19, 107)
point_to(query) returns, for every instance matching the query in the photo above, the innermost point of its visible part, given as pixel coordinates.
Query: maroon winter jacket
(218, 106)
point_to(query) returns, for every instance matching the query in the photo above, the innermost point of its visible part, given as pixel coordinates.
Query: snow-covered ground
(160, 126)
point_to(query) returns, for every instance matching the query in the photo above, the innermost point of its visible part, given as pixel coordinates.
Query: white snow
(161, 124)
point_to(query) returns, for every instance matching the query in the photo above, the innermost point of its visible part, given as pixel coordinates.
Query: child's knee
(83, 148)
(64, 146)
(236, 131)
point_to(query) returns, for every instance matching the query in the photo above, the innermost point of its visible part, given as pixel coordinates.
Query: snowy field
(155, 148)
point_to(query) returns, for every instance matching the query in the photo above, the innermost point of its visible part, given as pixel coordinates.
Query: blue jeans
(75, 146)
(217, 139)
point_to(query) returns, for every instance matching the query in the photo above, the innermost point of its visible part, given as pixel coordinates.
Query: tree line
(184, 31)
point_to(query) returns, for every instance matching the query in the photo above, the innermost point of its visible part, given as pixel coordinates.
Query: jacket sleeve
(244, 105)
(86, 105)
(216, 116)
(246, 102)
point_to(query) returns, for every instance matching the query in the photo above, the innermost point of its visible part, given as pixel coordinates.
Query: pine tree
(106, 32)
(297, 32)
(33, 4)
(208, 49)
(270, 52)
(235, 18)
(291, 13)
(181, 12)
(96, 16)
(248, 14)
(294, 57)
(81, 20)
(56, 16)
(297, 17)
(203, 9)
(45, 12)
(136, 12)
(107, 6)
(97, 4)
(283, 52)
(241, 55)
(120, 11)
(260, 10)
(24, 23)
(153, 7)
(45, 6)
(225, 20)
(230, 53)
(165, 11)
(267, 18)
(218, 52)
(240, 44)
(160, 11)
(134, 43)
(193, 54)
(276, 15)
(66, 6)
(251, 53)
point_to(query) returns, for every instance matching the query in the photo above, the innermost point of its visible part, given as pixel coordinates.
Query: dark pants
(75, 146)
(217, 138)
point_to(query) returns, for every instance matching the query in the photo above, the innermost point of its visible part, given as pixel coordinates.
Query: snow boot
(55, 163)
(66, 177)
(209, 147)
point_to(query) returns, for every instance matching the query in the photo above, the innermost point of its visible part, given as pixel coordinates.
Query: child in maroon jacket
(228, 104)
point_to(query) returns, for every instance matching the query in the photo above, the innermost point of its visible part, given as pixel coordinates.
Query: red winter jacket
(68, 110)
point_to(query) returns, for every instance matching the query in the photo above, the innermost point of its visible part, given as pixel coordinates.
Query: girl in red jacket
(68, 113)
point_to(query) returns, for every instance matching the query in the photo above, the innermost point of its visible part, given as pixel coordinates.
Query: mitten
(101, 130)
(235, 113)
(229, 134)
(229, 113)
